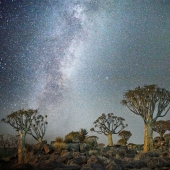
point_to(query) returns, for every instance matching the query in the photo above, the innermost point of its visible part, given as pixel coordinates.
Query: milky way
(74, 59)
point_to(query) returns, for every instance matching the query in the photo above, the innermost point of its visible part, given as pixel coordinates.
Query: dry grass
(59, 140)
(59, 146)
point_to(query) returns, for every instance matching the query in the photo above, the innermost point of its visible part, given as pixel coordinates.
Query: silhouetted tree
(38, 127)
(149, 102)
(125, 135)
(21, 121)
(109, 125)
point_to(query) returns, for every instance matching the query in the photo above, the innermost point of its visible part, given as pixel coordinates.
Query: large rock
(75, 147)
(64, 152)
(54, 156)
(93, 166)
(138, 164)
(78, 161)
(55, 165)
(23, 167)
(158, 162)
(64, 159)
(95, 159)
(113, 166)
(47, 149)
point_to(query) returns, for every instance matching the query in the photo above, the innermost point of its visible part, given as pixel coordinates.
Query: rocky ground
(108, 158)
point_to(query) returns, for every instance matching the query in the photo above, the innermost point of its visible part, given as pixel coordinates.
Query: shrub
(68, 139)
(59, 140)
(59, 146)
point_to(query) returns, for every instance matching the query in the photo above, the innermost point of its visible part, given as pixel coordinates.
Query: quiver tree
(21, 121)
(125, 135)
(160, 127)
(38, 127)
(108, 125)
(150, 102)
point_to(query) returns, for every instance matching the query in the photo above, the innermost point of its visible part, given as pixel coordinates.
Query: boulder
(93, 166)
(95, 159)
(47, 149)
(55, 165)
(64, 152)
(64, 159)
(113, 166)
(54, 156)
(78, 161)
(138, 164)
(158, 162)
(23, 167)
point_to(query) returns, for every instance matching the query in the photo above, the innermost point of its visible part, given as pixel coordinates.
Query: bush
(59, 146)
(59, 140)
(68, 139)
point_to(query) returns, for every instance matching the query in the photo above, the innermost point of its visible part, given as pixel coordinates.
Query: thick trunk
(148, 140)
(21, 148)
(110, 141)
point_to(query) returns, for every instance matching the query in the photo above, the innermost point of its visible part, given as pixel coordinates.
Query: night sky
(74, 59)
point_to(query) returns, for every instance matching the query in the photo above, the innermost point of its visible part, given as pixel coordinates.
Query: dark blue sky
(74, 59)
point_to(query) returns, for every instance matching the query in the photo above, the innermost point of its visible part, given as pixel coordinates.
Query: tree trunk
(21, 148)
(39, 140)
(110, 141)
(148, 140)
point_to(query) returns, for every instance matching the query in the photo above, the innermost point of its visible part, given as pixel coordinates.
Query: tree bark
(110, 141)
(21, 148)
(148, 140)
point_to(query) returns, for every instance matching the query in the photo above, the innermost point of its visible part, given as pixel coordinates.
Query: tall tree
(21, 121)
(150, 102)
(38, 127)
(108, 125)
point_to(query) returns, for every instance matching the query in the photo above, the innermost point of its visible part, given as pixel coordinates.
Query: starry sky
(74, 59)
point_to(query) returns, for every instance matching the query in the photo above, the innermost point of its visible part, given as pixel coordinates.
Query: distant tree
(150, 102)
(160, 127)
(109, 125)
(125, 135)
(38, 127)
(21, 121)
